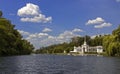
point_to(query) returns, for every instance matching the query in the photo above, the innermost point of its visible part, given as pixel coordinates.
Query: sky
(48, 22)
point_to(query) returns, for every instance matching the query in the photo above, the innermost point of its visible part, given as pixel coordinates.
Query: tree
(111, 43)
(116, 33)
(11, 42)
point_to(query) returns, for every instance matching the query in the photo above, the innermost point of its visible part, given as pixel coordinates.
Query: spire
(85, 43)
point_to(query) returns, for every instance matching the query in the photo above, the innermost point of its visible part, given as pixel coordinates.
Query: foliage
(112, 43)
(60, 48)
(11, 42)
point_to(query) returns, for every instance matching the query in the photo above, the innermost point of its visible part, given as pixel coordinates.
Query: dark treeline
(110, 43)
(11, 42)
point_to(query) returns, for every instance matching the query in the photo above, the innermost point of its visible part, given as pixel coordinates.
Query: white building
(86, 48)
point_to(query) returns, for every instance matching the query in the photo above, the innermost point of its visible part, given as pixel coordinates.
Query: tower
(85, 43)
(85, 47)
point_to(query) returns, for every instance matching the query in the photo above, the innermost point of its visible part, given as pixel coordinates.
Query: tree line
(75, 41)
(110, 43)
(11, 42)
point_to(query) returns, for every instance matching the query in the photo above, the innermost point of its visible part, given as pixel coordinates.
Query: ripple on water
(56, 64)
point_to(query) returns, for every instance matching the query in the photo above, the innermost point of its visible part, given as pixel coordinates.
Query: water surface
(58, 64)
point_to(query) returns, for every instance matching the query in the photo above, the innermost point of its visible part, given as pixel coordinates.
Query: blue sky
(47, 22)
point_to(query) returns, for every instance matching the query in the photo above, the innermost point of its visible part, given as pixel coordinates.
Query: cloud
(37, 19)
(98, 20)
(29, 10)
(77, 30)
(67, 35)
(44, 39)
(23, 32)
(37, 35)
(117, 0)
(93, 36)
(32, 13)
(103, 25)
(99, 23)
(46, 30)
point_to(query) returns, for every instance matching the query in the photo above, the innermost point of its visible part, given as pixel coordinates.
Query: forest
(11, 42)
(110, 43)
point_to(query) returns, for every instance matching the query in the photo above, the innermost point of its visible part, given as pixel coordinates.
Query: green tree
(11, 42)
(111, 43)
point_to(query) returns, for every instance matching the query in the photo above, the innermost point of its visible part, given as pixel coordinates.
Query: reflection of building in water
(86, 48)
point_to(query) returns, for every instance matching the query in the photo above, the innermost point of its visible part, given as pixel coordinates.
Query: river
(59, 64)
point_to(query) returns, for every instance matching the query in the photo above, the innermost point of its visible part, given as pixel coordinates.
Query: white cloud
(93, 36)
(29, 10)
(103, 25)
(67, 35)
(37, 35)
(46, 30)
(44, 39)
(39, 19)
(50, 37)
(77, 30)
(23, 32)
(98, 20)
(118, 0)
(32, 13)
(99, 23)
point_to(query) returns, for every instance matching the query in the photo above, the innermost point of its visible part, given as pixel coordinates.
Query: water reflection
(55, 64)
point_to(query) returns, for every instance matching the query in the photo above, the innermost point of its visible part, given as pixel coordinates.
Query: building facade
(86, 49)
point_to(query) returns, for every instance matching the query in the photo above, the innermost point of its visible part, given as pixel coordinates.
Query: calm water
(56, 64)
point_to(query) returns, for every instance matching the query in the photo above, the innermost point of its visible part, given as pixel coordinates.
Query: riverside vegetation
(110, 43)
(11, 42)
